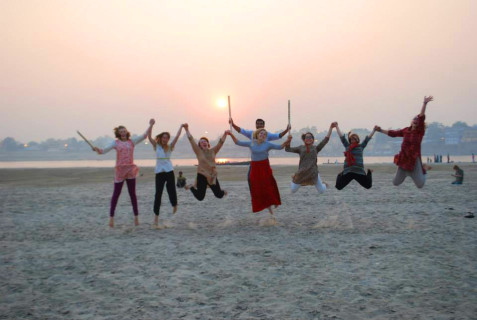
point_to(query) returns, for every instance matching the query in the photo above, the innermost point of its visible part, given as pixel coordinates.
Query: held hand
(289, 138)
(152, 122)
(231, 121)
(227, 132)
(377, 128)
(333, 124)
(289, 127)
(428, 99)
(186, 126)
(96, 149)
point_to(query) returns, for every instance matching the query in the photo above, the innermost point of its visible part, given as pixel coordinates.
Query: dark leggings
(202, 184)
(118, 186)
(168, 179)
(366, 181)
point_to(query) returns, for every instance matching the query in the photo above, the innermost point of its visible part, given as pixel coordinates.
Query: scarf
(349, 156)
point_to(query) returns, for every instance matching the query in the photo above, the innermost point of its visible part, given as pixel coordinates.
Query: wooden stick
(230, 114)
(289, 118)
(84, 138)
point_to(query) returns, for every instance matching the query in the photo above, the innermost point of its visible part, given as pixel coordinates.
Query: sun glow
(221, 103)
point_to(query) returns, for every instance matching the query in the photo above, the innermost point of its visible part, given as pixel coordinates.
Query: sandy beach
(385, 253)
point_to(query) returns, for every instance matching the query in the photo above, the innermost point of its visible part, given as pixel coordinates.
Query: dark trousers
(366, 181)
(248, 178)
(202, 184)
(118, 186)
(168, 179)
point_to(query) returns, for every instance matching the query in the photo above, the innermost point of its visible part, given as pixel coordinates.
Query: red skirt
(263, 187)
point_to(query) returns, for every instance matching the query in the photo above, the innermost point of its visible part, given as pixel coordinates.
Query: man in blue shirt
(259, 124)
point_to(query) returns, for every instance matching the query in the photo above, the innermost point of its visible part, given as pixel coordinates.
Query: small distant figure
(459, 175)
(473, 157)
(448, 158)
(181, 180)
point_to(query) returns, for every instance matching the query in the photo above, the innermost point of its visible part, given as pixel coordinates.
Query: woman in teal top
(263, 187)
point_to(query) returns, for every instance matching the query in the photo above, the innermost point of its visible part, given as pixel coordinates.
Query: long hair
(159, 140)
(118, 135)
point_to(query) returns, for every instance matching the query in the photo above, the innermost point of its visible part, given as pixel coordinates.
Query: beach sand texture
(385, 253)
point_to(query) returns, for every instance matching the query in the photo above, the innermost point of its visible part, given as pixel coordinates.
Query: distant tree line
(458, 139)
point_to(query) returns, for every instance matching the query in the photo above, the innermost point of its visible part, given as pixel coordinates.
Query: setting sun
(221, 103)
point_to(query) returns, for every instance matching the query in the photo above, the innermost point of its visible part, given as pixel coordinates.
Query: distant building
(453, 135)
(469, 136)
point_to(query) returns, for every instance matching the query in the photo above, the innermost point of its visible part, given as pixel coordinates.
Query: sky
(94, 65)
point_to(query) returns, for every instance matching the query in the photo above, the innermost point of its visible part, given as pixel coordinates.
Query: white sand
(385, 253)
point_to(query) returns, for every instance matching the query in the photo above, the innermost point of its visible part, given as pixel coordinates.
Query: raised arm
(173, 144)
(338, 129)
(285, 132)
(427, 99)
(327, 137)
(236, 127)
(149, 134)
(372, 132)
(390, 133)
(236, 141)
(144, 135)
(220, 143)
(194, 145)
(379, 129)
(288, 147)
(287, 142)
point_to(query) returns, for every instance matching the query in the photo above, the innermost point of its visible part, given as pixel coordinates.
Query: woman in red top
(408, 159)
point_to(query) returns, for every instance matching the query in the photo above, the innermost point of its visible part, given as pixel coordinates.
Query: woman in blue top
(353, 165)
(263, 187)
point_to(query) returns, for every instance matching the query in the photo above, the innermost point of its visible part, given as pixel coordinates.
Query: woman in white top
(164, 169)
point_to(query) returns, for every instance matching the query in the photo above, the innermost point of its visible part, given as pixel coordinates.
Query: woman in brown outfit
(307, 174)
(206, 170)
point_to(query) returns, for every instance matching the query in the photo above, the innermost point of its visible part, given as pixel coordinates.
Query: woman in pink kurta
(125, 169)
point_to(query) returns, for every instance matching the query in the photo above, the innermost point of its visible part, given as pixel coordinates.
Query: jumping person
(353, 164)
(408, 159)
(259, 124)
(263, 187)
(307, 173)
(125, 168)
(206, 170)
(164, 170)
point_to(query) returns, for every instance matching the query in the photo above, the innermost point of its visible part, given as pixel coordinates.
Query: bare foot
(187, 187)
(225, 192)
(427, 167)
(174, 209)
(156, 220)
(136, 220)
(111, 222)
(327, 185)
(270, 210)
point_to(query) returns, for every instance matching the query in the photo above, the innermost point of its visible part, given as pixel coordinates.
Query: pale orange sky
(92, 65)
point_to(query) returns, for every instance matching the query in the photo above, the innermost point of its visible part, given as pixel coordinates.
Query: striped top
(357, 152)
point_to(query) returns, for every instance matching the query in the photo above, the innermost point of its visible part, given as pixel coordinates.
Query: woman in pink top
(125, 168)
